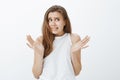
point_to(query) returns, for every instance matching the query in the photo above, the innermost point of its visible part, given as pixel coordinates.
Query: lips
(54, 29)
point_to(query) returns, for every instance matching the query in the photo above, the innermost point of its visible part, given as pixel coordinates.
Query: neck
(60, 34)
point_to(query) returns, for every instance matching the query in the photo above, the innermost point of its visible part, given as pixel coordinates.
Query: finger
(39, 39)
(29, 45)
(84, 47)
(30, 40)
(82, 43)
(79, 47)
(86, 38)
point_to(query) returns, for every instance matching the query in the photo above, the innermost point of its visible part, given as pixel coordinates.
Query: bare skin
(57, 23)
(38, 55)
(77, 45)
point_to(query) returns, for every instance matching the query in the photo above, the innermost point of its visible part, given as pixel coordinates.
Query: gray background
(100, 19)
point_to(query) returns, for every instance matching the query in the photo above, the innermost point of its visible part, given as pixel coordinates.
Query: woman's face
(56, 23)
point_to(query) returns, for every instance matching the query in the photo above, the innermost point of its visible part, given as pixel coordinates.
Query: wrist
(39, 55)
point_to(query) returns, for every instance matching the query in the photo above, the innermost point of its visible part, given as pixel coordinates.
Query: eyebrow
(54, 17)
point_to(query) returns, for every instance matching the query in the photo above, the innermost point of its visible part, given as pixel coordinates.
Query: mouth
(54, 29)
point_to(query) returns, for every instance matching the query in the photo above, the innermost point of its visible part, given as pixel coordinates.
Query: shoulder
(75, 37)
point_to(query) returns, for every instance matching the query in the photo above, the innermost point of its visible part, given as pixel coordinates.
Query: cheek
(61, 25)
(49, 25)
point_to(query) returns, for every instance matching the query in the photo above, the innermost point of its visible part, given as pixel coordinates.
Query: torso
(57, 65)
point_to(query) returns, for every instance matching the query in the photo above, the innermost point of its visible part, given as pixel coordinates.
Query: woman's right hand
(35, 45)
(30, 41)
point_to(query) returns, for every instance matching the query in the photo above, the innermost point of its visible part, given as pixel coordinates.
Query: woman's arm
(38, 55)
(77, 45)
(76, 55)
(38, 58)
(37, 65)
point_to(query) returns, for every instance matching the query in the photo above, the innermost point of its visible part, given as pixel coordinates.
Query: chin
(56, 34)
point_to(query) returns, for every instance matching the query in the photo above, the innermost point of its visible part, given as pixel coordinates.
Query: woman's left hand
(80, 44)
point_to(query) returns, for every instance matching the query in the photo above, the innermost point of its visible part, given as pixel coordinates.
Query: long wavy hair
(48, 37)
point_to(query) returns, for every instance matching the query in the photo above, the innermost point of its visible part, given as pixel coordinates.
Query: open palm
(80, 44)
(35, 45)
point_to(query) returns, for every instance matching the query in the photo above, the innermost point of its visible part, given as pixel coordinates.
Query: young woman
(57, 53)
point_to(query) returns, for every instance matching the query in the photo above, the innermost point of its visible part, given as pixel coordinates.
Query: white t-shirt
(57, 65)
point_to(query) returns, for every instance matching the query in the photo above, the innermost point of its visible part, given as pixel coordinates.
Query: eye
(49, 20)
(57, 19)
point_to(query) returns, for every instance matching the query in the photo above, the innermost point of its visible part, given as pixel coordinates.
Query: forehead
(55, 14)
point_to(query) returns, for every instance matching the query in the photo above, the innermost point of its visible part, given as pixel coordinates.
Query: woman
(57, 53)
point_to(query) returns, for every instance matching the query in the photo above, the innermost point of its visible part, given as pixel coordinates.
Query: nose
(52, 23)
